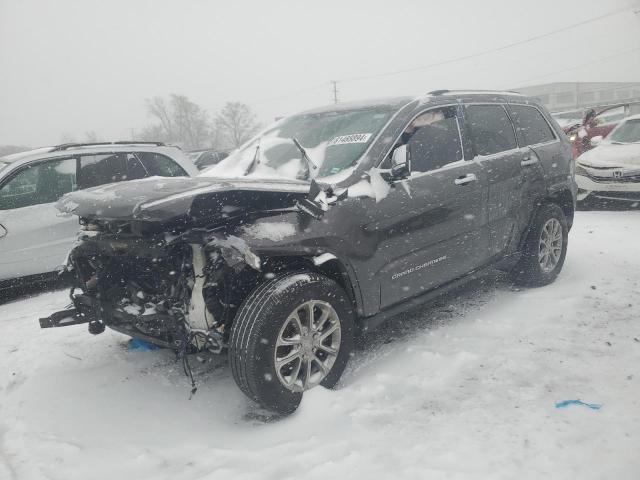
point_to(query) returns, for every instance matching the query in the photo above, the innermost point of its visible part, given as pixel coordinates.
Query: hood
(162, 199)
(612, 155)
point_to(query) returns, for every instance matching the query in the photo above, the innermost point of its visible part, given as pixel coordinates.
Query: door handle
(528, 161)
(465, 179)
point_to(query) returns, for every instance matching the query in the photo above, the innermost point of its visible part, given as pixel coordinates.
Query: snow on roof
(20, 155)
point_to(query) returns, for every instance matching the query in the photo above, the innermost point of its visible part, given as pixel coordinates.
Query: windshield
(332, 142)
(627, 132)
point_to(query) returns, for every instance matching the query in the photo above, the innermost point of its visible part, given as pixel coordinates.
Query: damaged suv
(322, 226)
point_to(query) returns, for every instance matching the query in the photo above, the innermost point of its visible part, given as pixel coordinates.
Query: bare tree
(236, 123)
(178, 121)
(91, 137)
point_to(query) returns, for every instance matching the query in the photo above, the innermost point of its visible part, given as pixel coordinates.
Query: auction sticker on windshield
(353, 138)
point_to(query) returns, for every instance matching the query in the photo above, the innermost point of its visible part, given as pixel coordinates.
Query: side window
(135, 168)
(531, 126)
(433, 139)
(161, 165)
(100, 169)
(41, 183)
(490, 129)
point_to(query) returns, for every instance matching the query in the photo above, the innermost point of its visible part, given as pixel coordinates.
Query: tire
(531, 270)
(266, 319)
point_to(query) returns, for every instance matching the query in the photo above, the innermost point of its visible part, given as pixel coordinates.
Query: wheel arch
(563, 198)
(333, 268)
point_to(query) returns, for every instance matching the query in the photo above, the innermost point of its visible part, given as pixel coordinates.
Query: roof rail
(66, 146)
(438, 92)
(435, 93)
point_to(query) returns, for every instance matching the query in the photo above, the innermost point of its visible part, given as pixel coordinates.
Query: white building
(567, 96)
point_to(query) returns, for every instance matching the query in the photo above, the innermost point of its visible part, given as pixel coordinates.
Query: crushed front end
(176, 291)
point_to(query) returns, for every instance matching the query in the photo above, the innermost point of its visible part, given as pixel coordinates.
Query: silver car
(34, 237)
(611, 171)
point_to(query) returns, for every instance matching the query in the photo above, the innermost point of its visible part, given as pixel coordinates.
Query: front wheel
(291, 334)
(544, 249)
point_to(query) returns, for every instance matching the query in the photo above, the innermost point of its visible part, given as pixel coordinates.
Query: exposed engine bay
(177, 292)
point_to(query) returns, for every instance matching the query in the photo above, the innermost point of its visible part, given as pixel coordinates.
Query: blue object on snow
(566, 403)
(138, 344)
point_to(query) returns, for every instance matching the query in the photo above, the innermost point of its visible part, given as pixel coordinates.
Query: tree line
(178, 120)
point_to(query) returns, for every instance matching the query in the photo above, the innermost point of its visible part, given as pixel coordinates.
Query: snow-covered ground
(465, 388)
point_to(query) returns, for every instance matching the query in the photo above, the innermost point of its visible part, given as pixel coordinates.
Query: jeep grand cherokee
(323, 225)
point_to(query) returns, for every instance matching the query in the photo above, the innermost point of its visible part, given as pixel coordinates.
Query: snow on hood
(612, 155)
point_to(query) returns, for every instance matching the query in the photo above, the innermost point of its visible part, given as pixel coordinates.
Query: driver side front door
(431, 226)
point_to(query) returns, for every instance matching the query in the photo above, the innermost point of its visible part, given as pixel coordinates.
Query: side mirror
(400, 162)
(597, 140)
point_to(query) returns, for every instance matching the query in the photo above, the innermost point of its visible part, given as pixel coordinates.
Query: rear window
(531, 126)
(490, 129)
(160, 165)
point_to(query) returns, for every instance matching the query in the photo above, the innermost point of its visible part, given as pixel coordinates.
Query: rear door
(540, 151)
(35, 237)
(430, 226)
(493, 140)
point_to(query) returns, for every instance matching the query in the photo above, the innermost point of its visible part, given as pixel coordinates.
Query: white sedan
(34, 236)
(612, 170)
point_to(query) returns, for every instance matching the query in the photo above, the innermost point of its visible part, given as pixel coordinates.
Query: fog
(69, 67)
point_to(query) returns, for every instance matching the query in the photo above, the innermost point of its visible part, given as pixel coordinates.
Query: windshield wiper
(305, 156)
(256, 160)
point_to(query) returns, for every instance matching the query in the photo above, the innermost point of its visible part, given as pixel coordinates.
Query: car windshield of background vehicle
(332, 141)
(627, 132)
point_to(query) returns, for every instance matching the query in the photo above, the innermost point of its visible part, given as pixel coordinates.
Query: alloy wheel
(307, 346)
(550, 245)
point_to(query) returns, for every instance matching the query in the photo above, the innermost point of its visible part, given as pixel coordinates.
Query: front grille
(623, 179)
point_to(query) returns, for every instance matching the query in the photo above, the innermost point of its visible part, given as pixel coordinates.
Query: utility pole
(335, 91)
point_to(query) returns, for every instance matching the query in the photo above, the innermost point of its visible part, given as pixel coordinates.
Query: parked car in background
(597, 122)
(34, 237)
(611, 170)
(337, 218)
(206, 158)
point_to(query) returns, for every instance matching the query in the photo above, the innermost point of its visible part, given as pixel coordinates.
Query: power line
(334, 83)
(491, 50)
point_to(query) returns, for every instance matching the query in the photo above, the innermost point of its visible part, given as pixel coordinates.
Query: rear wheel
(291, 334)
(545, 248)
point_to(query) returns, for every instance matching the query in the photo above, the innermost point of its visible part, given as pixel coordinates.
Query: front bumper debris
(83, 312)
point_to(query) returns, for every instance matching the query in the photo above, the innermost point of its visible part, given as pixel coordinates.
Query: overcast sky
(68, 67)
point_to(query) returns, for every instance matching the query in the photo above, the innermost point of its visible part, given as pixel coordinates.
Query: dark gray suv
(324, 225)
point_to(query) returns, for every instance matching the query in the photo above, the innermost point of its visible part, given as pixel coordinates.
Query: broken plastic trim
(319, 200)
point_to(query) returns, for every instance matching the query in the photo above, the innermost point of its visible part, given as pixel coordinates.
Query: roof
(394, 103)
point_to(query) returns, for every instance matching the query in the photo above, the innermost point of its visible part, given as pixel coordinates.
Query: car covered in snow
(34, 236)
(611, 170)
(324, 225)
